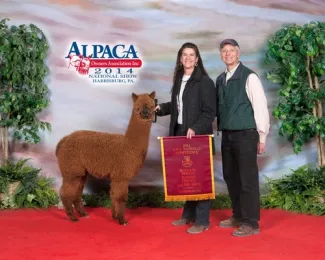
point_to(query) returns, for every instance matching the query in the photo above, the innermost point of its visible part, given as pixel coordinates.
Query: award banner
(187, 168)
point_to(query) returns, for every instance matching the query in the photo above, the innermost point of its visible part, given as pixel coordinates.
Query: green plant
(153, 198)
(299, 56)
(302, 191)
(31, 189)
(23, 92)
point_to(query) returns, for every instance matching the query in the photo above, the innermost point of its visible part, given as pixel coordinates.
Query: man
(243, 118)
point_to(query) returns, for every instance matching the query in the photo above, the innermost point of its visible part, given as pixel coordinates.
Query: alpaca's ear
(153, 95)
(134, 97)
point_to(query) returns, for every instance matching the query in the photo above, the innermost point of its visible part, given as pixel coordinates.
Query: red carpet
(47, 234)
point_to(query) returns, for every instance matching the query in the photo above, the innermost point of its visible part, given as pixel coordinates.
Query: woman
(192, 110)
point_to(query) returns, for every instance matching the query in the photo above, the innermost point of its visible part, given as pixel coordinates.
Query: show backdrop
(156, 30)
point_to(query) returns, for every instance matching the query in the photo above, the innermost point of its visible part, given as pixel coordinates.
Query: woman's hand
(260, 148)
(156, 108)
(190, 133)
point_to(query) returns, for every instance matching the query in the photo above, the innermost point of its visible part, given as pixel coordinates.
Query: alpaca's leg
(121, 213)
(67, 204)
(113, 203)
(119, 196)
(113, 209)
(69, 193)
(78, 201)
(66, 198)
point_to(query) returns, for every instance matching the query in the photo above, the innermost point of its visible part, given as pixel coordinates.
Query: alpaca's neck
(138, 132)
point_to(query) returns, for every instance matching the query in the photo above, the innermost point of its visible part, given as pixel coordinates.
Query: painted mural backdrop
(157, 29)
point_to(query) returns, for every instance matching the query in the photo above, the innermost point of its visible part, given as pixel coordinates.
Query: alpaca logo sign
(187, 162)
(117, 64)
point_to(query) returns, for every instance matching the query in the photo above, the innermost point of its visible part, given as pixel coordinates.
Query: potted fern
(23, 186)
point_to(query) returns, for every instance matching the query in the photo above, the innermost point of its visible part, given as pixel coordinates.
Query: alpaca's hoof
(123, 222)
(84, 215)
(73, 218)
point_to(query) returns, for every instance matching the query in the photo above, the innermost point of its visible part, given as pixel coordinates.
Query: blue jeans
(198, 211)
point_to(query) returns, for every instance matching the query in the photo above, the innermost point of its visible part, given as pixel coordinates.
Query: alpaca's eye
(138, 109)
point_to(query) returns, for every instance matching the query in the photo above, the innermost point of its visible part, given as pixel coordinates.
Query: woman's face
(189, 58)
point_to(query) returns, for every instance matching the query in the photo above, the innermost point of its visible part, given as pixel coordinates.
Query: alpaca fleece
(119, 157)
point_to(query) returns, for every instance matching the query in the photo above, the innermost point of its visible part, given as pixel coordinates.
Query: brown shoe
(229, 223)
(197, 229)
(245, 230)
(182, 222)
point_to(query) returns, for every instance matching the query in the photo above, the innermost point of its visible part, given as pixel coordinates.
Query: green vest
(235, 111)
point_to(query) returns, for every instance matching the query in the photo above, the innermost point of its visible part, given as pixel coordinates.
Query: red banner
(187, 168)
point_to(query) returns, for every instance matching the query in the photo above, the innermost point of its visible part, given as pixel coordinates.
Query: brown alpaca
(119, 157)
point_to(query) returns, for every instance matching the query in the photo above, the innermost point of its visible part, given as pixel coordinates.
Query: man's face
(229, 54)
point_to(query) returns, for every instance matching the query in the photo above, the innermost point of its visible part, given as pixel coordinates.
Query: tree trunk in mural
(317, 111)
(4, 134)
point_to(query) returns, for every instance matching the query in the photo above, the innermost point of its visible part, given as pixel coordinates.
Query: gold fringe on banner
(187, 197)
(211, 167)
(163, 164)
(190, 197)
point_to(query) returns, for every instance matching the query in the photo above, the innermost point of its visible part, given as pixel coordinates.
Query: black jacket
(199, 104)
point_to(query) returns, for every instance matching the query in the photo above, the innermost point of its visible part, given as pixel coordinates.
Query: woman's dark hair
(179, 69)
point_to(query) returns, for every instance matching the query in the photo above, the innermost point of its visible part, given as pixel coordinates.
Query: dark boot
(182, 222)
(229, 223)
(246, 230)
(197, 229)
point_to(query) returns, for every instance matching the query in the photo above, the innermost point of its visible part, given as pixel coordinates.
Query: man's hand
(156, 108)
(260, 148)
(190, 133)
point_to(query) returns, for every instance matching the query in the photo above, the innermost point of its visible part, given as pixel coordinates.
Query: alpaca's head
(144, 106)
